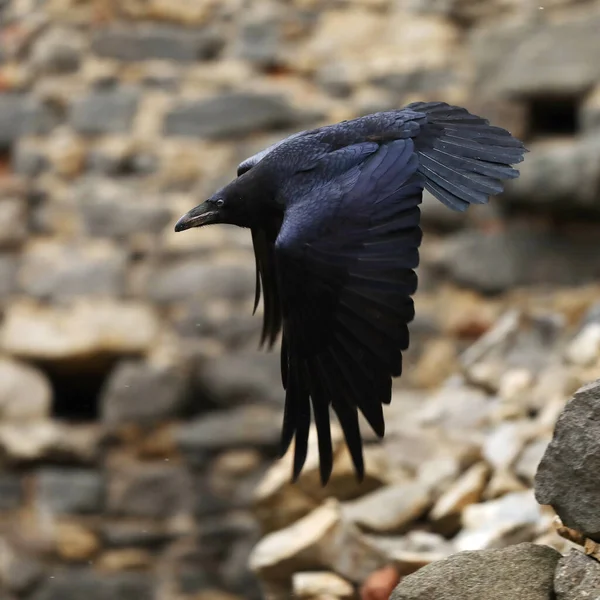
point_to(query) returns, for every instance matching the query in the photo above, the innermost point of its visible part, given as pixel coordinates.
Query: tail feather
(463, 158)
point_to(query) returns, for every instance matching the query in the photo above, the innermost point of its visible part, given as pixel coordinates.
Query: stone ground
(139, 423)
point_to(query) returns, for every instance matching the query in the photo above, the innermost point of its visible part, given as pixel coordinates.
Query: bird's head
(227, 206)
(212, 211)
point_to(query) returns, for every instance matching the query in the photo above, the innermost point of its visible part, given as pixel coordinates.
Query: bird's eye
(220, 202)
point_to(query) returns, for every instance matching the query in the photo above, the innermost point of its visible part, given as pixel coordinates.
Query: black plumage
(334, 215)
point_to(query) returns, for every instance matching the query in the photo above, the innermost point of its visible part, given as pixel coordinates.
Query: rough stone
(257, 377)
(51, 270)
(85, 491)
(558, 177)
(25, 393)
(19, 573)
(144, 392)
(149, 490)
(125, 560)
(76, 542)
(157, 42)
(105, 111)
(465, 491)
(112, 209)
(527, 464)
(513, 518)
(83, 329)
(74, 584)
(503, 445)
(50, 440)
(318, 584)
(524, 571)
(577, 577)
(57, 51)
(567, 477)
(319, 540)
(259, 39)
(410, 552)
(390, 508)
(197, 280)
(11, 491)
(517, 340)
(28, 159)
(13, 222)
(230, 114)
(8, 276)
(539, 67)
(23, 115)
(122, 534)
(247, 425)
(584, 349)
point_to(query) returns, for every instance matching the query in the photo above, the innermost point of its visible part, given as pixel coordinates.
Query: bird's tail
(463, 158)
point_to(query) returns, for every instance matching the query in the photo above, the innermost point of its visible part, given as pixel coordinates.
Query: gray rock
(105, 111)
(162, 42)
(71, 491)
(142, 392)
(524, 571)
(259, 40)
(201, 280)
(231, 114)
(11, 492)
(149, 490)
(8, 275)
(28, 159)
(559, 176)
(248, 425)
(51, 270)
(567, 477)
(423, 81)
(235, 328)
(577, 577)
(112, 209)
(257, 377)
(496, 262)
(540, 65)
(23, 115)
(75, 584)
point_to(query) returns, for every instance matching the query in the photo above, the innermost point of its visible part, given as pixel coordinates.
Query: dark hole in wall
(77, 389)
(550, 116)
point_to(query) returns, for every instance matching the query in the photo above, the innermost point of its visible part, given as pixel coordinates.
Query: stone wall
(136, 415)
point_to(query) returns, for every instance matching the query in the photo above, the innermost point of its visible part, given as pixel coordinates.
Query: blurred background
(138, 421)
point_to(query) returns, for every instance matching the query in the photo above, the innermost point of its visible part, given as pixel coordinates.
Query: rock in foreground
(577, 577)
(525, 571)
(567, 477)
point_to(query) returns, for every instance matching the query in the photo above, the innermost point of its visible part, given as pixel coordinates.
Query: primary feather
(334, 214)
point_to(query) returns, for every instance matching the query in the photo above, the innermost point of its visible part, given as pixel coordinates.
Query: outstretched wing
(345, 259)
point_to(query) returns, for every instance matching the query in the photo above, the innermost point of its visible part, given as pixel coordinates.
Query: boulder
(524, 571)
(567, 476)
(577, 577)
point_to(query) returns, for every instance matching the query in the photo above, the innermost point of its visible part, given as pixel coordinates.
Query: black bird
(334, 216)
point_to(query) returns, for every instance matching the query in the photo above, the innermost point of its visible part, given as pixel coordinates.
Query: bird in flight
(334, 217)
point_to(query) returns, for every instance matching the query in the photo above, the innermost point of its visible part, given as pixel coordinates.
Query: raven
(334, 217)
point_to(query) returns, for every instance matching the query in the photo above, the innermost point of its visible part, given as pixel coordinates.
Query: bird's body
(334, 215)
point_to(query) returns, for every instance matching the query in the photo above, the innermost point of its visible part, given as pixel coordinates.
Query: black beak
(204, 214)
